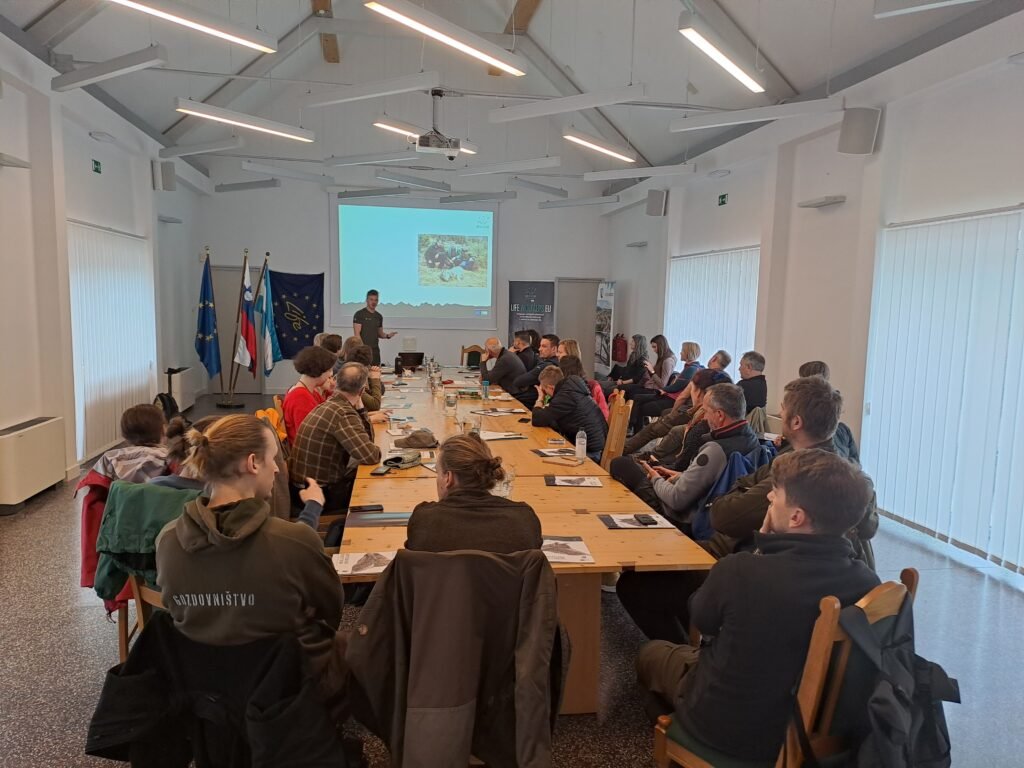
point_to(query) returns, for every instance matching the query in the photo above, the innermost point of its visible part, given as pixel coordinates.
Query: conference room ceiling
(598, 44)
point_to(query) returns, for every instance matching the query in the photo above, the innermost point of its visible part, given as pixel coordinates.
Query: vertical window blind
(711, 298)
(943, 429)
(113, 329)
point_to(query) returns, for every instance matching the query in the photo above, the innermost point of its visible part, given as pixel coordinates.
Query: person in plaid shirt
(335, 437)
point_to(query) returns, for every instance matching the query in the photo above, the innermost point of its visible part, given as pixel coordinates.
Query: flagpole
(233, 376)
(256, 304)
(213, 298)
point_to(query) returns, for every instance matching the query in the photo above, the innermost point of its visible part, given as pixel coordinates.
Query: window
(944, 427)
(113, 330)
(712, 299)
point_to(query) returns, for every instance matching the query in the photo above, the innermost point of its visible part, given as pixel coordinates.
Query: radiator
(31, 458)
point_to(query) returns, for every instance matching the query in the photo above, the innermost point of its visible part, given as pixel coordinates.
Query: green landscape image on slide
(453, 261)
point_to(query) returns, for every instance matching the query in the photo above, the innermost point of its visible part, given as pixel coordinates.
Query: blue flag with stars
(207, 343)
(298, 302)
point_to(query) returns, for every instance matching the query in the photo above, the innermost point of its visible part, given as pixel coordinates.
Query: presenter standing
(368, 324)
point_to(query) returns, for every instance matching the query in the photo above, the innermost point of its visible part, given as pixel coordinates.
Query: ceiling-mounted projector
(433, 142)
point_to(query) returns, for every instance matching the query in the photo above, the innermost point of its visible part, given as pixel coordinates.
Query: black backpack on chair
(907, 726)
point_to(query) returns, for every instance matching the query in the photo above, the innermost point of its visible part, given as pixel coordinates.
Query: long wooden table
(563, 511)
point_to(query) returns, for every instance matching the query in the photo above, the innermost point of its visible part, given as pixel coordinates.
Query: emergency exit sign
(97, 167)
(723, 199)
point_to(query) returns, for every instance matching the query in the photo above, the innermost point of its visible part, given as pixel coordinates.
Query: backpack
(906, 723)
(738, 465)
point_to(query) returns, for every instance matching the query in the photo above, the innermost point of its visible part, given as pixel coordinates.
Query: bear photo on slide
(456, 261)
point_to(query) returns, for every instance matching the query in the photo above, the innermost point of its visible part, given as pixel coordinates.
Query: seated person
(526, 383)
(335, 438)
(809, 412)
(565, 405)
(735, 693)
(522, 344)
(231, 573)
(499, 366)
(143, 428)
(468, 515)
(635, 369)
(571, 365)
(720, 360)
(374, 392)
(752, 380)
(652, 404)
(677, 494)
(656, 374)
(182, 476)
(315, 366)
(846, 445)
(679, 415)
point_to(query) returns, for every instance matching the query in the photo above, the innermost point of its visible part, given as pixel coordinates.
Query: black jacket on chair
(175, 700)
(572, 409)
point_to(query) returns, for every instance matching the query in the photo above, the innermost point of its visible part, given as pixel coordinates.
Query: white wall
(639, 273)
(51, 131)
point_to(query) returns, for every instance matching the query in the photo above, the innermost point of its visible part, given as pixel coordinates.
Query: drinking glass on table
(503, 488)
(451, 404)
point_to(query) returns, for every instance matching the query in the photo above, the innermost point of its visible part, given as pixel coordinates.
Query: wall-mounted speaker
(859, 130)
(657, 202)
(163, 176)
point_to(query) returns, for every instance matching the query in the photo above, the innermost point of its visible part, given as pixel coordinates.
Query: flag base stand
(231, 404)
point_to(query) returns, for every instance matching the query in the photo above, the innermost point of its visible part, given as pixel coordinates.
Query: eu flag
(298, 309)
(207, 343)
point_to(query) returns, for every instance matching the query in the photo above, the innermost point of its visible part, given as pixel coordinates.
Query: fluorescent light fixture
(102, 137)
(585, 140)
(468, 147)
(355, 194)
(693, 28)
(885, 9)
(822, 202)
(372, 158)
(291, 173)
(637, 244)
(244, 185)
(641, 173)
(201, 149)
(10, 161)
(477, 197)
(203, 21)
(413, 181)
(153, 56)
(515, 181)
(168, 219)
(755, 115)
(567, 104)
(408, 130)
(514, 166)
(424, 81)
(242, 120)
(577, 201)
(433, 26)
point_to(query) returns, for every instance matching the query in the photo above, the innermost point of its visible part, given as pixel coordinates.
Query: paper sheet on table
(566, 549)
(573, 482)
(629, 522)
(552, 452)
(424, 453)
(397, 432)
(499, 411)
(486, 435)
(503, 396)
(351, 563)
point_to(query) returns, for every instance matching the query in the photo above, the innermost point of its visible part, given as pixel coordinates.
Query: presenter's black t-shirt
(370, 323)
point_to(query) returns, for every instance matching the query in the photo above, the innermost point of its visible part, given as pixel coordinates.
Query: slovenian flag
(268, 331)
(245, 354)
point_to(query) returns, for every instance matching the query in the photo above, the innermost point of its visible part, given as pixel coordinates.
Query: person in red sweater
(315, 366)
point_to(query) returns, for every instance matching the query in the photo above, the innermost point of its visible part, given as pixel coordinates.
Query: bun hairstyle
(214, 454)
(178, 447)
(471, 461)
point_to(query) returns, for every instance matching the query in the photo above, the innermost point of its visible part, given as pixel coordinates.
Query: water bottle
(485, 387)
(581, 445)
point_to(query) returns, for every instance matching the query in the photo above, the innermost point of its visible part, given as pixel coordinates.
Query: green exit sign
(723, 199)
(97, 167)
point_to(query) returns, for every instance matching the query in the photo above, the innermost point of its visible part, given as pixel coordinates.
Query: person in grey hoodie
(230, 573)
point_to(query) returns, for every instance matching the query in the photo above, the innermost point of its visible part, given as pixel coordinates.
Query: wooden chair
(619, 410)
(146, 598)
(279, 407)
(466, 356)
(818, 695)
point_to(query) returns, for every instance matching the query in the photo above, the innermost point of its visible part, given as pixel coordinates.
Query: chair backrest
(471, 355)
(619, 410)
(279, 407)
(146, 599)
(825, 668)
(758, 420)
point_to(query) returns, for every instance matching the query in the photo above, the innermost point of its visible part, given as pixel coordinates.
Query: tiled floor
(56, 643)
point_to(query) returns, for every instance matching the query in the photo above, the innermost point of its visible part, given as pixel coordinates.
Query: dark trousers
(337, 496)
(645, 405)
(627, 471)
(655, 430)
(661, 668)
(658, 601)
